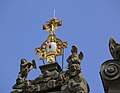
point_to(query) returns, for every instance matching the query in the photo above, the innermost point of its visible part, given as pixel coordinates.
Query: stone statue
(25, 67)
(21, 81)
(76, 82)
(74, 58)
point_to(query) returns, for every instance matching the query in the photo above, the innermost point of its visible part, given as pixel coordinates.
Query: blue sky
(86, 23)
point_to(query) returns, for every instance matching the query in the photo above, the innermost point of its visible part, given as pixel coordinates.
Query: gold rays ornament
(53, 46)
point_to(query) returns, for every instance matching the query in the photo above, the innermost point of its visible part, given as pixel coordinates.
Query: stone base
(110, 75)
(50, 67)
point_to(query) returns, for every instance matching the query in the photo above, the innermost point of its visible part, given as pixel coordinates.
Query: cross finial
(53, 46)
(52, 25)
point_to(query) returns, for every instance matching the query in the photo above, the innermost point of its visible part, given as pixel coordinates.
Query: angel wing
(81, 55)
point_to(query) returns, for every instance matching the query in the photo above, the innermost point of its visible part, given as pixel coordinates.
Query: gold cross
(52, 25)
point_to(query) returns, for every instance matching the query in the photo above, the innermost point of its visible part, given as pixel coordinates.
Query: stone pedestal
(110, 75)
(50, 67)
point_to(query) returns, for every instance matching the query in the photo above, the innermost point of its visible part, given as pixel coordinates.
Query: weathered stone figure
(21, 81)
(74, 58)
(76, 82)
(25, 67)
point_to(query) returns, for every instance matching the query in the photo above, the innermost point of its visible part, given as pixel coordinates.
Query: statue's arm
(69, 58)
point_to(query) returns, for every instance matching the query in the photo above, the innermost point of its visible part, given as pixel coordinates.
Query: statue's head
(74, 49)
(23, 61)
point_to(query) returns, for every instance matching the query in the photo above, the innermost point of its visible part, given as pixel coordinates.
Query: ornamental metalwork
(53, 46)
